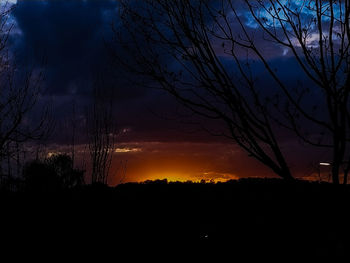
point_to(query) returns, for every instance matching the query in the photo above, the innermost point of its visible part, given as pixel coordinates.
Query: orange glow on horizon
(184, 161)
(182, 177)
(170, 176)
(174, 161)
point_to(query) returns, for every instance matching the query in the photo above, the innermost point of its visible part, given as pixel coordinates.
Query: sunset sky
(158, 138)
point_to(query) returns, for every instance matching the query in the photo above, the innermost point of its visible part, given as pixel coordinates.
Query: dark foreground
(250, 219)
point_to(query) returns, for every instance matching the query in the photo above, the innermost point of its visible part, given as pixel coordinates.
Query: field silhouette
(260, 218)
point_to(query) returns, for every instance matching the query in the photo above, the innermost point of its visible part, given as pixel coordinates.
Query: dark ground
(254, 218)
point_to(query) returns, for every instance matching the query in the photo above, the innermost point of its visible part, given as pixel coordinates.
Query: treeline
(56, 173)
(51, 174)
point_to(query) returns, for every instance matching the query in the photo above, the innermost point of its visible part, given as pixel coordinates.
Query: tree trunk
(346, 172)
(335, 172)
(285, 173)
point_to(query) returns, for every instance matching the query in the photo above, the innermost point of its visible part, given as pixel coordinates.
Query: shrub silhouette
(62, 165)
(40, 177)
(52, 174)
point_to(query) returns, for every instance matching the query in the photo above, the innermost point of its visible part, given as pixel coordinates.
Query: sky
(159, 139)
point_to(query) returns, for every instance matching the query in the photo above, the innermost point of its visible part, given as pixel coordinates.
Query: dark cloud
(69, 35)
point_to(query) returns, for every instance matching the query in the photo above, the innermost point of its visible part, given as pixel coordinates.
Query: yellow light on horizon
(185, 177)
(170, 176)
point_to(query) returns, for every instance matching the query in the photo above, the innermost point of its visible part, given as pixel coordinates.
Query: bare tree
(317, 34)
(18, 97)
(202, 82)
(212, 44)
(71, 125)
(101, 130)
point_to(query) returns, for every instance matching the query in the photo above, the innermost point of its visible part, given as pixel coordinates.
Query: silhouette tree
(52, 174)
(18, 97)
(40, 177)
(102, 131)
(317, 34)
(62, 164)
(212, 45)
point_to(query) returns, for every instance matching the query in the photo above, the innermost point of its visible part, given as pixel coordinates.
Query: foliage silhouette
(62, 164)
(52, 174)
